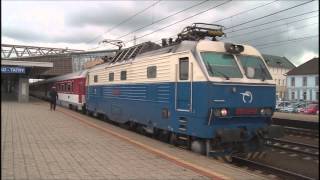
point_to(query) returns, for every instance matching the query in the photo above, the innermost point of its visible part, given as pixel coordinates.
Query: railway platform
(296, 116)
(41, 144)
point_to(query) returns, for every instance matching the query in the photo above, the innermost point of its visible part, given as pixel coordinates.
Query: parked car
(280, 105)
(293, 108)
(311, 109)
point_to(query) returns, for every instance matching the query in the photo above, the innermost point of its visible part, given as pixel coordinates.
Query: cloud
(83, 24)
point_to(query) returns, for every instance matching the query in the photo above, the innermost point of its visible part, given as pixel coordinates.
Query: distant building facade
(278, 67)
(303, 81)
(84, 60)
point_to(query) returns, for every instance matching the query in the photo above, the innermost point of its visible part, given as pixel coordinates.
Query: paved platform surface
(41, 144)
(296, 116)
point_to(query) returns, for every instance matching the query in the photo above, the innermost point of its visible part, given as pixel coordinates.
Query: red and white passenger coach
(70, 88)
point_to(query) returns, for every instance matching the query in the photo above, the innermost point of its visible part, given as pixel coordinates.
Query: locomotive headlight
(220, 112)
(266, 111)
(223, 112)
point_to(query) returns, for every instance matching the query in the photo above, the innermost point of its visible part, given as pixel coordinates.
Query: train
(215, 98)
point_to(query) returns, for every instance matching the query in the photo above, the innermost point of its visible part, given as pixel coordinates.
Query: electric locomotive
(216, 98)
(213, 97)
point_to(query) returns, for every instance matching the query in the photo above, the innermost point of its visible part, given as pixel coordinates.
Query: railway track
(302, 132)
(294, 147)
(267, 169)
(300, 124)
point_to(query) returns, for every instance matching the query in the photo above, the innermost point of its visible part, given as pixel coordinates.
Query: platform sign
(13, 70)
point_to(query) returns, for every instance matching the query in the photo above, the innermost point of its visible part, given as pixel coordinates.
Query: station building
(278, 67)
(20, 63)
(303, 81)
(15, 78)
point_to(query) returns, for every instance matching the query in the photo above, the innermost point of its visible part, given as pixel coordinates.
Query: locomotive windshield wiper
(211, 71)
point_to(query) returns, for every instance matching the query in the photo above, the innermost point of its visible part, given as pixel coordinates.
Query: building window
(123, 75)
(184, 68)
(317, 95)
(111, 76)
(95, 78)
(304, 81)
(292, 95)
(279, 82)
(152, 72)
(283, 82)
(304, 95)
(292, 81)
(317, 80)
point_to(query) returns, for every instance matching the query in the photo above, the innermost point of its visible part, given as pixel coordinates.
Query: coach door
(183, 85)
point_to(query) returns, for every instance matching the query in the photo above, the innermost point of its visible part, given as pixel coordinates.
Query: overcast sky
(83, 24)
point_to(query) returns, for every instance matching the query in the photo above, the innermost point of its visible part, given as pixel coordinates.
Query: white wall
(298, 88)
(280, 80)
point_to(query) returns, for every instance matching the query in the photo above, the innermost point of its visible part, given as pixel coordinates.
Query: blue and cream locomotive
(211, 96)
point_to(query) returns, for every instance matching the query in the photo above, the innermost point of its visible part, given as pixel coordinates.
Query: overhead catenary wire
(271, 14)
(237, 14)
(267, 16)
(234, 15)
(140, 28)
(286, 43)
(193, 7)
(264, 29)
(126, 20)
(289, 40)
(182, 20)
(258, 25)
(277, 33)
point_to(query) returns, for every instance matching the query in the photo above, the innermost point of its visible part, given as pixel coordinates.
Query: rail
(303, 132)
(296, 123)
(309, 150)
(269, 169)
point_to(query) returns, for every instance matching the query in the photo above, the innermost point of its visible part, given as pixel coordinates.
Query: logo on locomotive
(247, 97)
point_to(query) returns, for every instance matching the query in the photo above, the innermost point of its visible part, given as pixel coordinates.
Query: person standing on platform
(53, 98)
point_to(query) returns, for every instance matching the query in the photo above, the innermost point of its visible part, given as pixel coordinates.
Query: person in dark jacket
(53, 98)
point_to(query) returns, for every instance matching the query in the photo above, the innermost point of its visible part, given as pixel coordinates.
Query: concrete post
(23, 90)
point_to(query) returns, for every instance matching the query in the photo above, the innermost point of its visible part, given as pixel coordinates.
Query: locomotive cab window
(221, 65)
(152, 72)
(123, 75)
(184, 68)
(256, 66)
(111, 76)
(95, 78)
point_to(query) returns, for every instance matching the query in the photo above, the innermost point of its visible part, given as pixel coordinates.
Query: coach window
(71, 86)
(68, 87)
(111, 76)
(123, 75)
(184, 68)
(152, 72)
(95, 78)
